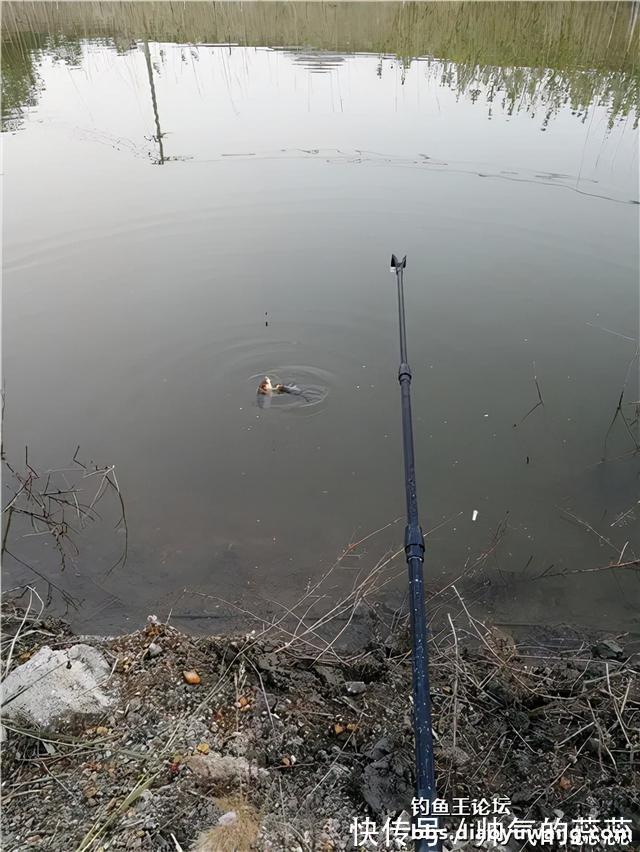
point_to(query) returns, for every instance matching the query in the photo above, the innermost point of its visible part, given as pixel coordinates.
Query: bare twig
(538, 403)
(455, 683)
(48, 503)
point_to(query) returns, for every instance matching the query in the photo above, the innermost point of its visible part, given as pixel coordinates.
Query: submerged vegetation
(519, 56)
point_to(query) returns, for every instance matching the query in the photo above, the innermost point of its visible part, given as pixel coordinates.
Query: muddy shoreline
(274, 739)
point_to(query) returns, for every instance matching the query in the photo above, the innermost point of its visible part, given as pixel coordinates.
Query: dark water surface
(184, 215)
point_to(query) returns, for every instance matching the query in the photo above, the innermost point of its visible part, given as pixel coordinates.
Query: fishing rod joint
(414, 542)
(404, 372)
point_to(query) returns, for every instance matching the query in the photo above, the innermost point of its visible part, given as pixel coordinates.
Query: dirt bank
(280, 740)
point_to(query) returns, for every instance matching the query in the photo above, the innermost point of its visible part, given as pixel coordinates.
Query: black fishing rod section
(414, 550)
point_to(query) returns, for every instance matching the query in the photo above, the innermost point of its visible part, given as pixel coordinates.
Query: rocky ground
(276, 740)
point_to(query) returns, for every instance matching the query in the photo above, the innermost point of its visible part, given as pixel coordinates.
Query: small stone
(608, 650)
(154, 649)
(203, 748)
(220, 769)
(384, 785)
(329, 675)
(456, 756)
(268, 700)
(355, 687)
(383, 747)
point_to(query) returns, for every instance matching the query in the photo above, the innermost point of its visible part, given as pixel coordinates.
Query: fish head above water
(265, 386)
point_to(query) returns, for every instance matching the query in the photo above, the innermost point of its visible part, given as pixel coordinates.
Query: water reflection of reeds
(536, 57)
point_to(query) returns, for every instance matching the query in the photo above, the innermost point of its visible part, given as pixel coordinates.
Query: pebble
(608, 650)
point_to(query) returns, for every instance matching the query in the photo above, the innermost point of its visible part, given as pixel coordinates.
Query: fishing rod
(414, 550)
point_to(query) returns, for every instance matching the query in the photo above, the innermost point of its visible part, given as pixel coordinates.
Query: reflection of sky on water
(217, 100)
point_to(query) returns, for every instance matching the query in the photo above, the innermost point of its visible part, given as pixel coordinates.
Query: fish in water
(265, 387)
(266, 390)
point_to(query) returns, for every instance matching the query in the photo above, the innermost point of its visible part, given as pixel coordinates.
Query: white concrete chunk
(54, 686)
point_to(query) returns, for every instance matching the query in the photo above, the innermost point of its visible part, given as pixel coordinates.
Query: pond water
(192, 203)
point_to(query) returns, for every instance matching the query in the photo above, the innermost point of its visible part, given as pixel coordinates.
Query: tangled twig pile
(58, 505)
